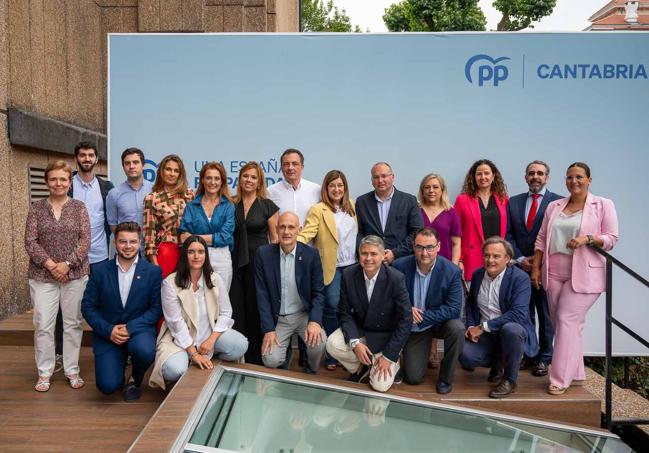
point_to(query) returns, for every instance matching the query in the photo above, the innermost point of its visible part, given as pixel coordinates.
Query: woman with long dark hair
(198, 317)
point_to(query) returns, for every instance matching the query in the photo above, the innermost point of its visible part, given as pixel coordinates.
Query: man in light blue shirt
(125, 203)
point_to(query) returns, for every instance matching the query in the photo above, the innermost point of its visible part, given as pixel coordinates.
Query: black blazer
(385, 321)
(404, 219)
(445, 292)
(517, 235)
(104, 187)
(268, 281)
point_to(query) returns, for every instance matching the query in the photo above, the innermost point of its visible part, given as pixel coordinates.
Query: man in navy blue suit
(524, 217)
(290, 295)
(498, 323)
(388, 213)
(122, 305)
(435, 288)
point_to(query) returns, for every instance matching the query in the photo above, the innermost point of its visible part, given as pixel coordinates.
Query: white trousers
(221, 262)
(339, 349)
(46, 298)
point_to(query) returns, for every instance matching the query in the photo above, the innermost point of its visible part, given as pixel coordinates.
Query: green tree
(435, 15)
(519, 14)
(325, 17)
(463, 15)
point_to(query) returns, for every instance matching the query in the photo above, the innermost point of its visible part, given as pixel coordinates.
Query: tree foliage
(434, 15)
(325, 17)
(463, 15)
(519, 14)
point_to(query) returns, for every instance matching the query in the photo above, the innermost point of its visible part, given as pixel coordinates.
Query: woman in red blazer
(482, 210)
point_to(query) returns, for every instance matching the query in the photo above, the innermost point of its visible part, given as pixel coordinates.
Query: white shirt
(383, 206)
(488, 298)
(172, 310)
(564, 228)
(370, 283)
(298, 200)
(125, 279)
(346, 230)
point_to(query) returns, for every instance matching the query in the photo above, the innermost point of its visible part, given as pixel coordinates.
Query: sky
(568, 15)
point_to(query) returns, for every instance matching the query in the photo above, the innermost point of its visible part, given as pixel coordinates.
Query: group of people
(369, 285)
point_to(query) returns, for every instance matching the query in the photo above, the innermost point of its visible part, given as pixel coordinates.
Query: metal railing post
(609, 345)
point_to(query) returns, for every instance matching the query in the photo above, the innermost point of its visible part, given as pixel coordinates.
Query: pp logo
(488, 69)
(149, 172)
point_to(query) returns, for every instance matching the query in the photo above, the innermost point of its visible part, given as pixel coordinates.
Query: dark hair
(581, 165)
(128, 227)
(181, 185)
(183, 278)
(498, 186)
(538, 162)
(225, 189)
(129, 151)
(84, 145)
(292, 151)
(427, 232)
(346, 204)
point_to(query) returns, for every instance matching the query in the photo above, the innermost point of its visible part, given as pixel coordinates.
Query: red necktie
(533, 209)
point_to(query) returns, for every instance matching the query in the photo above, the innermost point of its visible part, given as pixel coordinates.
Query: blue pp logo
(150, 170)
(488, 69)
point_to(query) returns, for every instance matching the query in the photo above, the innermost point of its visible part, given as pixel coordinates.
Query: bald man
(290, 295)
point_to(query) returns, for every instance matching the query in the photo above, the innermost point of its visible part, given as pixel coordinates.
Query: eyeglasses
(535, 173)
(428, 248)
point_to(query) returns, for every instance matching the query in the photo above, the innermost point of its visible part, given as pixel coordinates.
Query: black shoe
(443, 388)
(504, 389)
(495, 374)
(131, 393)
(398, 378)
(541, 369)
(361, 375)
(527, 364)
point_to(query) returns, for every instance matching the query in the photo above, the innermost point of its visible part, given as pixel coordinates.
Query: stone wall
(53, 59)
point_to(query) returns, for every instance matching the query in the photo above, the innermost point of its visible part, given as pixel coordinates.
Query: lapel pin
(299, 258)
(137, 277)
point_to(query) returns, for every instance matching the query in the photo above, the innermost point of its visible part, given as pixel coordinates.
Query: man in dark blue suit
(388, 213)
(498, 323)
(375, 318)
(290, 295)
(524, 217)
(122, 305)
(435, 288)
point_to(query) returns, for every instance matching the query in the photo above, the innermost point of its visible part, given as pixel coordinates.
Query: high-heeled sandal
(75, 381)
(556, 390)
(42, 385)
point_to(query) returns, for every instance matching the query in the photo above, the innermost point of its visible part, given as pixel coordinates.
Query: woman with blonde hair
(255, 217)
(163, 209)
(57, 239)
(211, 216)
(332, 224)
(438, 213)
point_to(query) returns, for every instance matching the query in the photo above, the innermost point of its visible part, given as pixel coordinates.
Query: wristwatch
(354, 342)
(591, 241)
(68, 263)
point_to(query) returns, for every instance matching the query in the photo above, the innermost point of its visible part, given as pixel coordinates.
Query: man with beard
(122, 305)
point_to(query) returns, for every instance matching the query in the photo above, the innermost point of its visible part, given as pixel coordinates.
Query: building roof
(612, 15)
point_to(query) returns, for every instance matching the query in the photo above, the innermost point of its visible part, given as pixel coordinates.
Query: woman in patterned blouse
(57, 239)
(163, 209)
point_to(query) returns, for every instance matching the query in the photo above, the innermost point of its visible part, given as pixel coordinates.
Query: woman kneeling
(198, 318)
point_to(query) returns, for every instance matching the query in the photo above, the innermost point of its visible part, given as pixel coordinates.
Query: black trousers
(415, 353)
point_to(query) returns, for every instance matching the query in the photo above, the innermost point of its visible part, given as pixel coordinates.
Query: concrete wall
(53, 61)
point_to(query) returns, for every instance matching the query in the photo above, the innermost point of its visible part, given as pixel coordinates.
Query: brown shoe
(504, 389)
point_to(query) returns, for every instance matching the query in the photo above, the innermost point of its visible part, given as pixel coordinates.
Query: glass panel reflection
(253, 414)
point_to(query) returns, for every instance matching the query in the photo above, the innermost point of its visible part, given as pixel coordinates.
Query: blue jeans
(230, 346)
(329, 317)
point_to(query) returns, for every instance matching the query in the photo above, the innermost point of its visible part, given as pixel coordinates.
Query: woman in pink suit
(573, 275)
(482, 210)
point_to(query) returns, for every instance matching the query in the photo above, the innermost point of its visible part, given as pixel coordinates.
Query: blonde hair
(58, 165)
(261, 184)
(443, 200)
(181, 185)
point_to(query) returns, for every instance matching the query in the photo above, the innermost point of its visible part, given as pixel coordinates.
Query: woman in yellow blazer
(332, 225)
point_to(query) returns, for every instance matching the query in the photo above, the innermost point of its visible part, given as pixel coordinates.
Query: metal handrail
(610, 320)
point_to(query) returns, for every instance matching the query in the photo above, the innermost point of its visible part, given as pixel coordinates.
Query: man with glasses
(435, 288)
(524, 217)
(389, 214)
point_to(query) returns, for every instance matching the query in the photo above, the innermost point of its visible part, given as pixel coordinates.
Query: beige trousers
(46, 298)
(339, 349)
